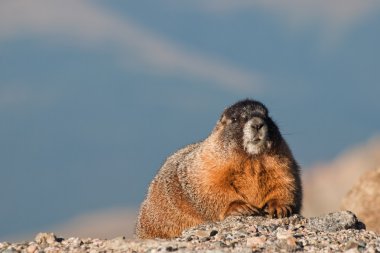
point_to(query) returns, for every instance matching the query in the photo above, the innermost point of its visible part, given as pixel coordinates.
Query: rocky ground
(335, 232)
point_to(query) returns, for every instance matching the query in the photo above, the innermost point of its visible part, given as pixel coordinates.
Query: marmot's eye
(234, 119)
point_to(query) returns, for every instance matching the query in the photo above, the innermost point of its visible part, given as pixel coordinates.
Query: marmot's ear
(223, 119)
(221, 123)
(263, 111)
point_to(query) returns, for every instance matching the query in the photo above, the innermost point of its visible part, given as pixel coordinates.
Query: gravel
(334, 232)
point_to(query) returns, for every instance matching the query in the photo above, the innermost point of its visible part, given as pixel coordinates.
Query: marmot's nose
(257, 124)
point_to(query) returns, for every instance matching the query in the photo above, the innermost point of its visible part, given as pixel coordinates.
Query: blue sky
(95, 94)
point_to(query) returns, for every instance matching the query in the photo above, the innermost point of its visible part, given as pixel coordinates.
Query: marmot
(244, 167)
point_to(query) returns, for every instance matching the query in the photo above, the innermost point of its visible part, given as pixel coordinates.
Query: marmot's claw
(275, 209)
(240, 207)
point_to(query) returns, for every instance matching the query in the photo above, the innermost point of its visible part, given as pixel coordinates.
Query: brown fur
(208, 182)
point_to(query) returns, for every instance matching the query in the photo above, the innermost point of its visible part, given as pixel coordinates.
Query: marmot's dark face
(247, 126)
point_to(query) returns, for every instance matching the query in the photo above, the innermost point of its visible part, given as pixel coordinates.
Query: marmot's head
(246, 126)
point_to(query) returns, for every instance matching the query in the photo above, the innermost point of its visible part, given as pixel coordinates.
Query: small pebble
(10, 250)
(353, 250)
(4, 245)
(171, 249)
(213, 232)
(52, 250)
(256, 241)
(291, 241)
(48, 238)
(32, 248)
(202, 233)
(205, 239)
(284, 234)
(370, 250)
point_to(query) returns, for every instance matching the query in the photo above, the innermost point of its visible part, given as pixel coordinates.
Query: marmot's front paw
(240, 207)
(276, 209)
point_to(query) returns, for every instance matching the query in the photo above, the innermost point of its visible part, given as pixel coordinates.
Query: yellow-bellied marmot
(244, 167)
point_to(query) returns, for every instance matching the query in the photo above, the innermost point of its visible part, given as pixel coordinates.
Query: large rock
(364, 199)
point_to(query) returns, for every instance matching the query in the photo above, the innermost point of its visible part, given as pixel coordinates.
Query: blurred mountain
(364, 199)
(326, 184)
